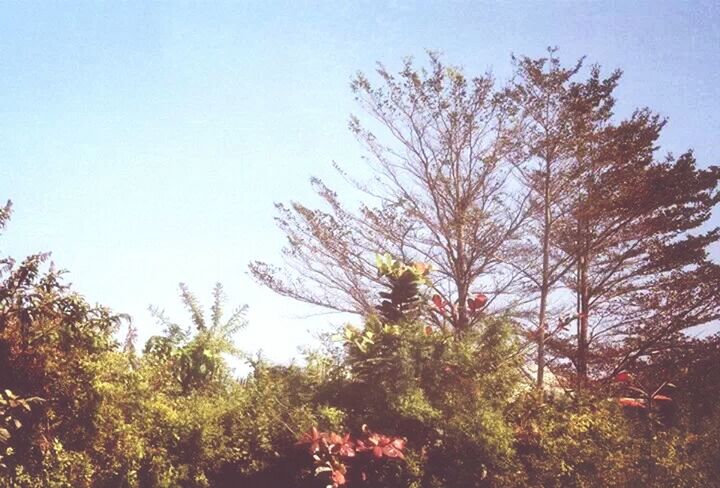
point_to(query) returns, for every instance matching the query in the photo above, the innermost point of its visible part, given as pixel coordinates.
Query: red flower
(632, 402)
(477, 302)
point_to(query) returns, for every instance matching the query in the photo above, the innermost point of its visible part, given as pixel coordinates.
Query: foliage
(12, 409)
(402, 299)
(444, 392)
(50, 342)
(196, 361)
(340, 459)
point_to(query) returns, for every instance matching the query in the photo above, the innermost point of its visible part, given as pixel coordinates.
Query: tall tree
(634, 232)
(644, 273)
(605, 207)
(441, 195)
(556, 116)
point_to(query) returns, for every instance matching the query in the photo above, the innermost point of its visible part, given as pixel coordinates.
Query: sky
(145, 143)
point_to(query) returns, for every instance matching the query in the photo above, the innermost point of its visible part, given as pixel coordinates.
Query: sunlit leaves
(196, 359)
(334, 456)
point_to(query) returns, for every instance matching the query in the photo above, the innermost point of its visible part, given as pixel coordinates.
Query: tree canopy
(531, 193)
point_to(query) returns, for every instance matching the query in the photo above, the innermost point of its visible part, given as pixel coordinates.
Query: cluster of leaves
(341, 459)
(12, 408)
(474, 304)
(644, 398)
(403, 298)
(196, 359)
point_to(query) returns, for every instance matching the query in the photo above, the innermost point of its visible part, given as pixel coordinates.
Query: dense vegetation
(441, 385)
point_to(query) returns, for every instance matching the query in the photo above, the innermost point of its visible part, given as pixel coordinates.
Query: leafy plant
(12, 409)
(341, 460)
(197, 360)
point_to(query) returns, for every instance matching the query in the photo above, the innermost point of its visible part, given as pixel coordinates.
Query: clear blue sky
(145, 143)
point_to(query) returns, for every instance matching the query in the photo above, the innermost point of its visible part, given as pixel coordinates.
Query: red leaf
(398, 444)
(392, 448)
(333, 438)
(632, 402)
(381, 445)
(312, 438)
(477, 302)
(439, 302)
(347, 448)
(392, 452)
(662, 398)
(623, 377)
(427, 330)
(338, 478)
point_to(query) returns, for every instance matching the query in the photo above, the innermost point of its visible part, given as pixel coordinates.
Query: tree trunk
(544, 288)
(583, 313)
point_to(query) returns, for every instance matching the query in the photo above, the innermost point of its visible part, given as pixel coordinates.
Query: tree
(643, 271)
(51, 340)
(628, 222)
(441, 195)
(557, 117)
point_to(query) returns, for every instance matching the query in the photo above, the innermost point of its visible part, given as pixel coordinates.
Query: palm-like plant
(198, 359)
